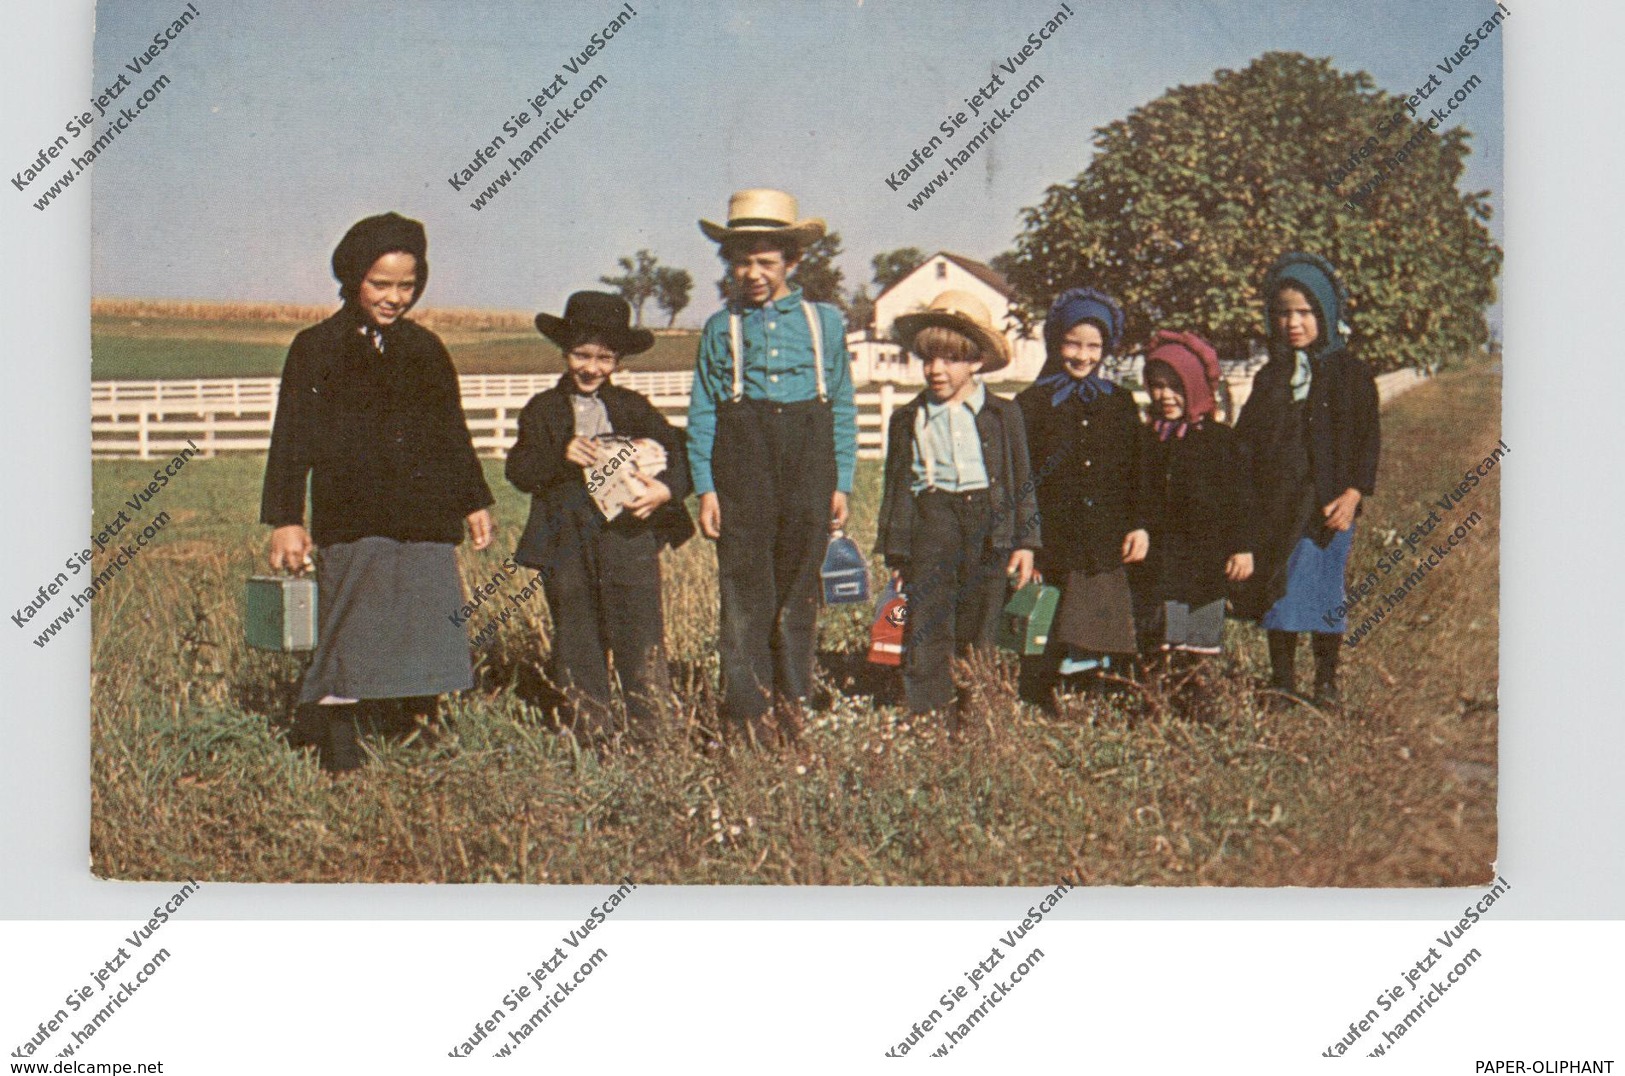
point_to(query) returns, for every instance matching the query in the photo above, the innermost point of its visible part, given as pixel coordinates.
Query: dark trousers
(956, 590)
(774, 468)
(604, 598)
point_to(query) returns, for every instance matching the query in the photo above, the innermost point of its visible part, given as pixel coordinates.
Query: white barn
(877, 359)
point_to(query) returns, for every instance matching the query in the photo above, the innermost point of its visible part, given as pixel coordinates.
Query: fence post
(886, 393)
(141, 434)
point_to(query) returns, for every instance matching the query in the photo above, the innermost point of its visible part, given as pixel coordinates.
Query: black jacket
(1093, 477)
(382, 438)
(1198, 511)
(558, 489)
(1300, 459)
(1010, 481)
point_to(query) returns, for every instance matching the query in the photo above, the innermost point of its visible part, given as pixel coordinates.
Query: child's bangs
(939, 341)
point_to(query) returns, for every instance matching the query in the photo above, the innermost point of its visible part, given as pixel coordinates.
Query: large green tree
(1187, 201)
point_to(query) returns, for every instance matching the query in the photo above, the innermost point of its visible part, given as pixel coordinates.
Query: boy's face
(760, 272)
(1295, 319)
(590, 364)
(1082, 349)
(387, 288)
(1167, 395)
(948, 378)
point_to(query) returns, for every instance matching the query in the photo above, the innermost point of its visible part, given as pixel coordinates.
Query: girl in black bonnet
(370, 414)
(1310, 431)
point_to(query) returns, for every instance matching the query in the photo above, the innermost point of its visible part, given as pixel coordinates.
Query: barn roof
(980, 270)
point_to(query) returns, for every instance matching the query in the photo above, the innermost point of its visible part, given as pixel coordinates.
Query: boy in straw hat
(772, 443)
(958, 514)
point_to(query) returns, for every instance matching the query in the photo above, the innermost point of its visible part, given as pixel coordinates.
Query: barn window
(942, 270)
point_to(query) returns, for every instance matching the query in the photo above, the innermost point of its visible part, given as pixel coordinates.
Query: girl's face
(1295, 320)
(590, 363)
(1167, 395)
(387, 288)
(1082, 349)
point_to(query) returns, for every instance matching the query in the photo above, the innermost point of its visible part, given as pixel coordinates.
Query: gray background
(1562, 739)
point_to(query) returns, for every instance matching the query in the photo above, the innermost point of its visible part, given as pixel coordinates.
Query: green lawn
(128, 349)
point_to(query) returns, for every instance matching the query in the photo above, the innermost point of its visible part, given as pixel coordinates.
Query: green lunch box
(279, 613)
(1025, 623)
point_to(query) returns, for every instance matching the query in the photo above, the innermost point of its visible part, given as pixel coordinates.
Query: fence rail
(154, 419)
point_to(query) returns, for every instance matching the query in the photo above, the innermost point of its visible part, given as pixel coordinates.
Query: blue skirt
(1314, 587)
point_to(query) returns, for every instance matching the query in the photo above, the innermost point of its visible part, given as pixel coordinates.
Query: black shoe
(1326, 695)
(340, 751)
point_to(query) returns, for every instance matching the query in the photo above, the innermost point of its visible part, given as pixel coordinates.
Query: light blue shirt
(778, 366)
(946, 436)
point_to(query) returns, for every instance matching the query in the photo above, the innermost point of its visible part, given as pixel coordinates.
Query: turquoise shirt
(951, 443)
(778, 366)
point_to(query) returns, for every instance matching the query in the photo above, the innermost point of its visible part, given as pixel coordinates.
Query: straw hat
(962, 312)
(764, 212)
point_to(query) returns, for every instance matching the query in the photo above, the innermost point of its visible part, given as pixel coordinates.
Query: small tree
(817, 273)
(672, 288)
(637, 283)
(890, 266)
(861, 311)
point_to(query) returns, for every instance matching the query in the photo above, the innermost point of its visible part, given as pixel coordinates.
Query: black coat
(558, 488)
(1010, 481)
(1301, 457)
(1198, 511)
(382, 438)
(1093, 478)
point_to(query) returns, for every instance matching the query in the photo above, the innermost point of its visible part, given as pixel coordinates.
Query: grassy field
(146, 346)
(189, 780)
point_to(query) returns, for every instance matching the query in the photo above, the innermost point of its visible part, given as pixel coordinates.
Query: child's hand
(480, 527)
(1340, 513)
(837, 511)
(582, 452)
(290, 547)
(897, 579)
(710, 516)
(1020, 568)
(1136, 544)
(655, 493)
(1239, 567)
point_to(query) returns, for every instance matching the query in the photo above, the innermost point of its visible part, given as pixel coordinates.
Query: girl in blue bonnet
(1083, 440)
(1311, 435)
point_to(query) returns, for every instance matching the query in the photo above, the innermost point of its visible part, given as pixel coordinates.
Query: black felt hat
(606, 316)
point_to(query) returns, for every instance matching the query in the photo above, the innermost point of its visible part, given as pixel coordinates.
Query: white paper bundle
(623, 464)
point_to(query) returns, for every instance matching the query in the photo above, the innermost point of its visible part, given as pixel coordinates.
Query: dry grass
(189, 779)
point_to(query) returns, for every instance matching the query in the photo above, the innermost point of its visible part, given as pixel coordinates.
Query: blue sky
(285, 122)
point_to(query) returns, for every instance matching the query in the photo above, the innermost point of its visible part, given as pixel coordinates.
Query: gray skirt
(1097, 613)
(1196, 629)
(384, 627)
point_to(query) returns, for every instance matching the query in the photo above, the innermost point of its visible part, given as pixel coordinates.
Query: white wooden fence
(156, 419)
